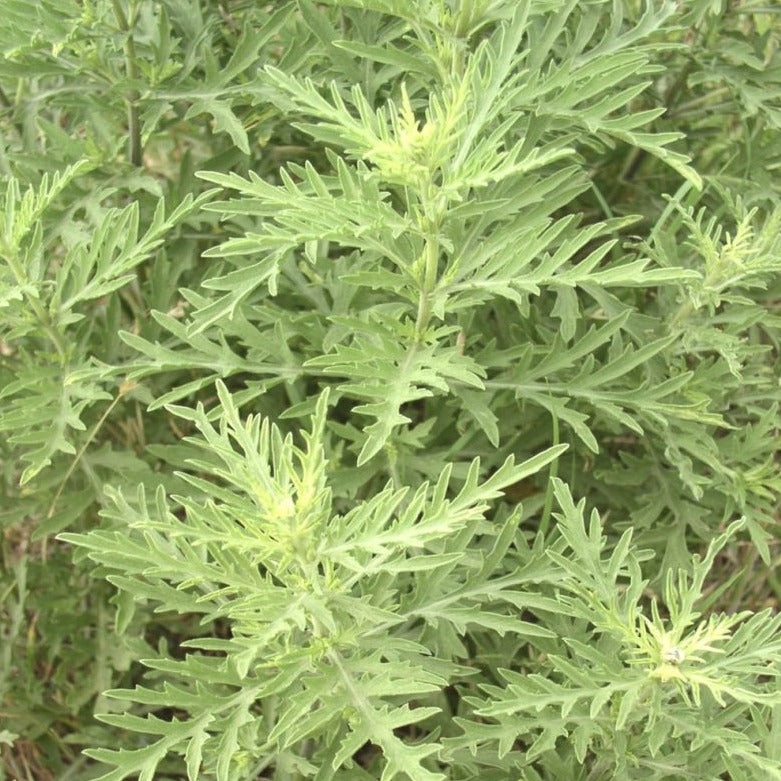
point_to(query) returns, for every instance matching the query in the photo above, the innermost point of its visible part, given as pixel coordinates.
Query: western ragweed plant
(389, 390)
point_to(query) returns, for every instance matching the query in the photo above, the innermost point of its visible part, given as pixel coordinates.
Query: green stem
(6, 103)
(41, 315)
(125, 23)
(430, 265)
(554, 468)
(4, 100)
(683, 108)
(423, 315)
(124, 388)
(684, 310)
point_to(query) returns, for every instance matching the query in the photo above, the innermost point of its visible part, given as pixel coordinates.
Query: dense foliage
(389, 389)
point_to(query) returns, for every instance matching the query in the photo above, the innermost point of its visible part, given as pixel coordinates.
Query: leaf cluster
(322, 324)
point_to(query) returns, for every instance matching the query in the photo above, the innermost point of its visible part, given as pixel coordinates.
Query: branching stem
(39, 312)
